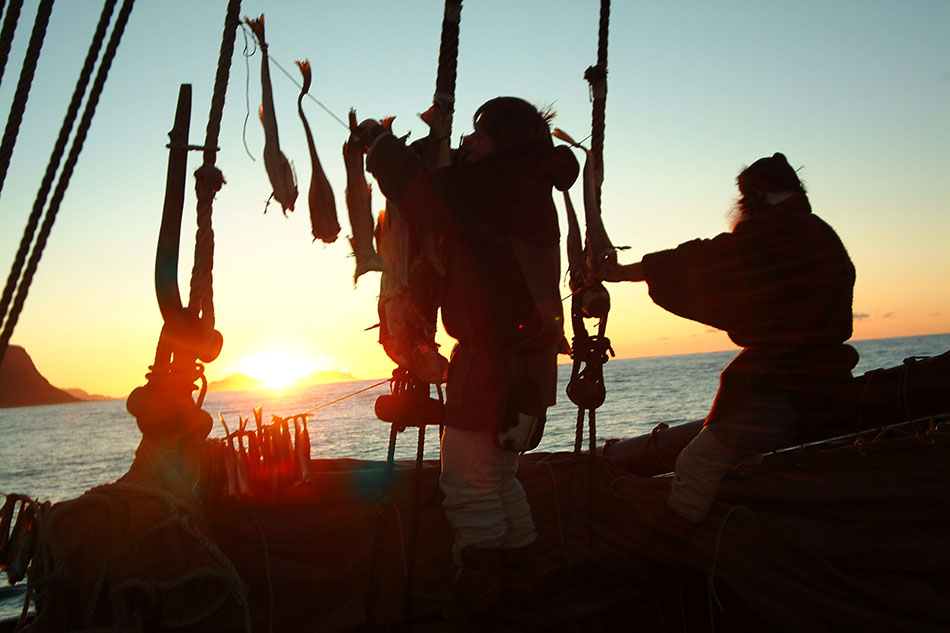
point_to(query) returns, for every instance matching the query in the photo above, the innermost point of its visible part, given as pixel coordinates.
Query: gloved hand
(368, 131)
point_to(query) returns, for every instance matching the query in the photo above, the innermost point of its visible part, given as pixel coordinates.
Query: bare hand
(368, 131)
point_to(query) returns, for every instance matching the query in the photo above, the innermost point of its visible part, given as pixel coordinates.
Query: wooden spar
(166, 255)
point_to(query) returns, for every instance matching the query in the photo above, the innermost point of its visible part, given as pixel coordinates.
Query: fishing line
(327, 404)
(294, 81)
(247, 91)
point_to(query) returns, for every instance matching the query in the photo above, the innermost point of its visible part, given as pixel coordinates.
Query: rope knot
(208, 181)
(591, 349)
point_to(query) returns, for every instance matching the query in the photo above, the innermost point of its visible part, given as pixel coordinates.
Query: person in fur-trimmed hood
(781, 284)
(499, 297)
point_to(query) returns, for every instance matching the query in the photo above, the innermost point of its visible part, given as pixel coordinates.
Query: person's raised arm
(625, 272)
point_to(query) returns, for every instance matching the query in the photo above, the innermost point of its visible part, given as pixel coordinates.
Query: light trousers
(484, 502)
(764, 423)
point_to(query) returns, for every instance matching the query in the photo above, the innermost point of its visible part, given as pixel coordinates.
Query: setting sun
(277, 369)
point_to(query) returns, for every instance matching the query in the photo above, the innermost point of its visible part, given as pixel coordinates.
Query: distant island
(22, 385)
(85, 395)
(243, 382)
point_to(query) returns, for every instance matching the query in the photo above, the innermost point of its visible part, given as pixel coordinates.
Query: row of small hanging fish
(323, 215)
(267, 460)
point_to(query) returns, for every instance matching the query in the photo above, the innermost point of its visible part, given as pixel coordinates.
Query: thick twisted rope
(66, 173)
(209, 178)
(60, 147)
(6, 33)
(448, 59)
(597, 76)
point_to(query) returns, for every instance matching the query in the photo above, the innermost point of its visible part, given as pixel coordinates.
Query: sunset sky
(855, 92)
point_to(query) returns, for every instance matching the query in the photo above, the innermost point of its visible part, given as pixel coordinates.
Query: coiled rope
(50, 564)
(67, 171)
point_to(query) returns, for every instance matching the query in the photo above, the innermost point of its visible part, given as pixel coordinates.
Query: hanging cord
(22, 95)
(293, 80)
(66, 173)
(372, 593)
(414, 525)
(6, 33)
(711, 573)
(247, 90)
(65, 130)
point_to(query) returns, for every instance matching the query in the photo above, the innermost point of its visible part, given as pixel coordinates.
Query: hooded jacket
(781, 285)
(499, 295)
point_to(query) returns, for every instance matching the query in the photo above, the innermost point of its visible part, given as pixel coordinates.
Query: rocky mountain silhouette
(22, 385)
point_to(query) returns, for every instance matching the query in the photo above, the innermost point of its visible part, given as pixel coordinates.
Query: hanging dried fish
(598, 253)
(278, 168)
(359, 205)
(323, 221)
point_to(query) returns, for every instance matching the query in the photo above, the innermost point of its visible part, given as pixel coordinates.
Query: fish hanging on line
(359, 204)
(599, 254)
(323, 221)
(279, 171)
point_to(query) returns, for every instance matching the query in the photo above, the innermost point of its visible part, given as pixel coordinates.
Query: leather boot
(523, 603)
(519, 567)
(476, 589)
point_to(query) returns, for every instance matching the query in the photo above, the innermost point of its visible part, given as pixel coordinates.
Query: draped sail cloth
(843, 539)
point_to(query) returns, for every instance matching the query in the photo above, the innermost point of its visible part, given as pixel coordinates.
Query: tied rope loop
(586, 387)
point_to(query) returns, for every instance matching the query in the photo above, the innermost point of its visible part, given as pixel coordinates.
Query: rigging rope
(448, 60)
(22, 95)
(586, 387)
(597, 77)
(6, 33)
(65, 130)
(66, 174)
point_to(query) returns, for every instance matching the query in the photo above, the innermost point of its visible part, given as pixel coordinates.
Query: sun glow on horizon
(277, 369)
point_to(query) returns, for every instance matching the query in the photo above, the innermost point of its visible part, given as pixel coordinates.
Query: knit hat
(517, 127)
(770, 174)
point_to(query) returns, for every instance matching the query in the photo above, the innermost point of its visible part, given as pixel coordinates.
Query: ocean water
(57, 452)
